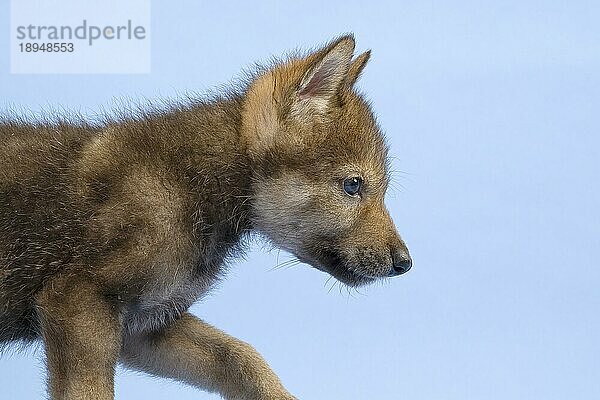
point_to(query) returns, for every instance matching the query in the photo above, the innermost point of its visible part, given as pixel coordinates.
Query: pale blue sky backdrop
(492, 110)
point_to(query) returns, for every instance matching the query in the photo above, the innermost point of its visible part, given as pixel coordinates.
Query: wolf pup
(109, 232)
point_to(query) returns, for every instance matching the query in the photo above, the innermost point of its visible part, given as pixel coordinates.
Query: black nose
(401, 262)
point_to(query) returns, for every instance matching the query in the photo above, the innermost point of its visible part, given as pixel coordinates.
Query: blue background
(492, 113)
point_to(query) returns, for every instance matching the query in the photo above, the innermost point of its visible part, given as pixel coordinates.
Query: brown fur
(109, 232)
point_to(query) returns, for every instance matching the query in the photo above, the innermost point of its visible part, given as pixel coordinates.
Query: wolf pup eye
(352, 185)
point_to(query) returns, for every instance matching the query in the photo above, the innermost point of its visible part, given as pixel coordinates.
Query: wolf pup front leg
(81, 335)
(194, 352)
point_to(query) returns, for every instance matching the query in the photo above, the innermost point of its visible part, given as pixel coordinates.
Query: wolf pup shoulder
(109, 232)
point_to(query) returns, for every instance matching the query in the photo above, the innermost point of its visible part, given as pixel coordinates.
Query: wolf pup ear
(325, 76)
(356, 68)
(300, 88)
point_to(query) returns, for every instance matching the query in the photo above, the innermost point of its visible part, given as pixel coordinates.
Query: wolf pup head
(320, 169)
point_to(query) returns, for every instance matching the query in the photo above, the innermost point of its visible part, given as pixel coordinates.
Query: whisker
(285, 264)
(332, 284)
